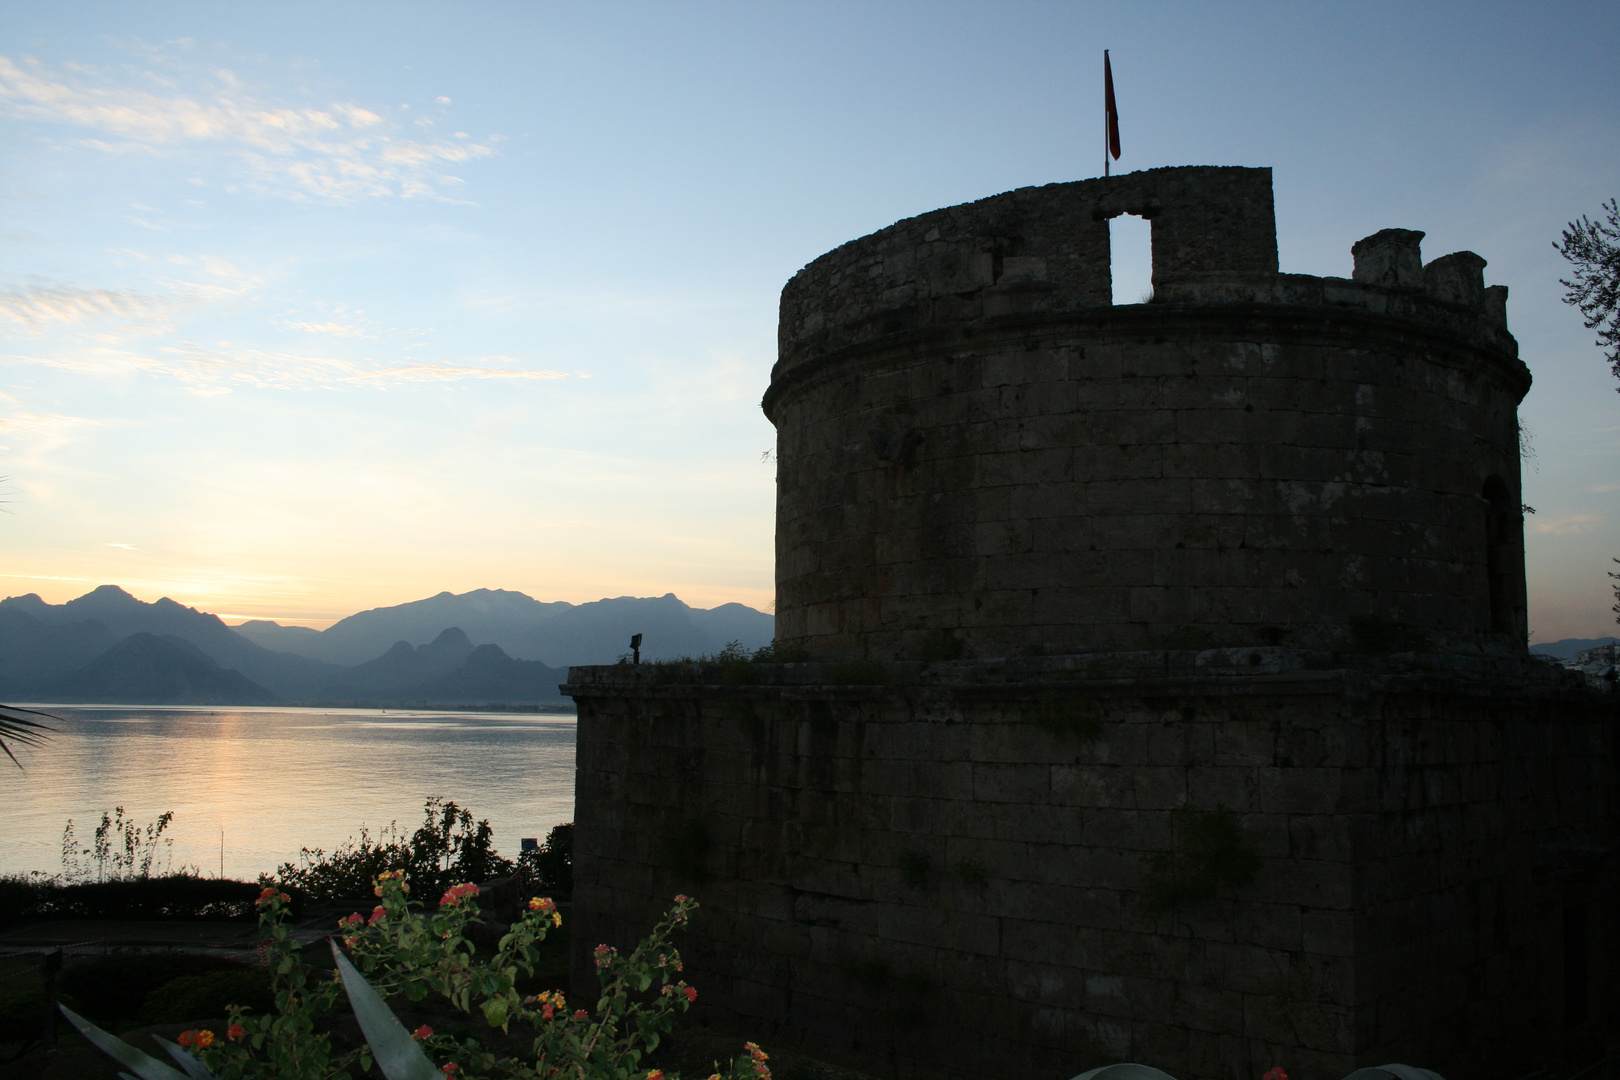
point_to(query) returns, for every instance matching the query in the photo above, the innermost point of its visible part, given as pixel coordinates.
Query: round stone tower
(978, 454)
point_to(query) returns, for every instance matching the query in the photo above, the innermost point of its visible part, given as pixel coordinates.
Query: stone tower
(975, 445)
(1151, 681)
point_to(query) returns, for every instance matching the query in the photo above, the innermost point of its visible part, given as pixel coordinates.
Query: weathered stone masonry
(1073, 578)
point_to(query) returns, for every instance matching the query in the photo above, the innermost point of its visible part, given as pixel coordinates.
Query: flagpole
(1105, 112)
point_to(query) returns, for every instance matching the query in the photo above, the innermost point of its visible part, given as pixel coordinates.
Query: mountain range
(108, 646)
(557, 633)
(1566, 648)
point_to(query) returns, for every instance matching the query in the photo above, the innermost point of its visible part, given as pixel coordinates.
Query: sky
(306, 309)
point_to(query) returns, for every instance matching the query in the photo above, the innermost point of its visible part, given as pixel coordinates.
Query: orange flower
(1276, 1073)
(186, 1038)
(205, 1039)
(235, 1031)
(378, 914)
(655, 1074)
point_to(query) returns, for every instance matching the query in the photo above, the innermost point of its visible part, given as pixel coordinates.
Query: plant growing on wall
(1211, 853)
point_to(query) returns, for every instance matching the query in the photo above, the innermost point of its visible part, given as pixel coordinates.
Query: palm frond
(16, 726)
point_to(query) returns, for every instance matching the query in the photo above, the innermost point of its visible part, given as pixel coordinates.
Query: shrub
(446, 848)
(550, 868)
(130, 988)
(172, 896)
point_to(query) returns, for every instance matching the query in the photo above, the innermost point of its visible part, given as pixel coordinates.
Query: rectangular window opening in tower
(1130, 256)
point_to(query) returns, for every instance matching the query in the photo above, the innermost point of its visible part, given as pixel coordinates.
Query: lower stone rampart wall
(1019, 869)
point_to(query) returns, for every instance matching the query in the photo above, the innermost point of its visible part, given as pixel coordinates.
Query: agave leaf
(1394, 1072)
(398, 1055)
(1125, 1071)
(145, 1065)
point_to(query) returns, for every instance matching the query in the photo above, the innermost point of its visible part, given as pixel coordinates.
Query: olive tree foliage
(1593, 247)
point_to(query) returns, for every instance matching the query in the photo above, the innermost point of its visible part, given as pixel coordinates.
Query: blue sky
(311, 308)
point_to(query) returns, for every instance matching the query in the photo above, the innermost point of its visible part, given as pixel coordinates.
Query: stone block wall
(963, 869)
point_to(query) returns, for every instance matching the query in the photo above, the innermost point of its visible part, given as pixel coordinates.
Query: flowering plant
(401, 950)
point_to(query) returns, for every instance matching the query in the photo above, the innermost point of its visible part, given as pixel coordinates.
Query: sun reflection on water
(276, 780)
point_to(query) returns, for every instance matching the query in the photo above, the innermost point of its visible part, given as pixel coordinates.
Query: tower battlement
(1045, 251)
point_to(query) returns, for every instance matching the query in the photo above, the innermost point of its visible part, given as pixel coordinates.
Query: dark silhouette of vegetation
(1594, 249)
(36, 898)
(447, 849)
(16, 726)
(1616, 608)
(120, 850)
(551, 866)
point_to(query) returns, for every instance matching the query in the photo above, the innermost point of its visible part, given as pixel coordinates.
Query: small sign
(529, 843)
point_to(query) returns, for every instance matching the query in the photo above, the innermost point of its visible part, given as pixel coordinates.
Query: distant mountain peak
(450, 637)
(104, 597)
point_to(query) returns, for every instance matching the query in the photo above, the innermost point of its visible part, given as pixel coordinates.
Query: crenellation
(1390, 257)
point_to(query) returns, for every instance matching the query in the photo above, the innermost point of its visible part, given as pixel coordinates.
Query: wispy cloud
(338, 153)
(218, 369)
(1575, 523)
(42, 423)
(41, 307)
(35, 309)
(342, 330)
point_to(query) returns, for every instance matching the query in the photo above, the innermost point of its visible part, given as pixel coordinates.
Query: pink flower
(1276, 1073)
(579, 1014)
(422, 1032)
(455, 893)
(235, 1031)
(691, 996)
(378, 914)
(352, 920)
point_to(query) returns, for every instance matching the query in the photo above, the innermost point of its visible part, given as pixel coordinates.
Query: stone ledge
(1263, 669)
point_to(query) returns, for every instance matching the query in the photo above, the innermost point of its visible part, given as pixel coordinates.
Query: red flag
(1110, 107)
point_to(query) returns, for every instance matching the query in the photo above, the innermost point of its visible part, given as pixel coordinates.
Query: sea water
(249, 787)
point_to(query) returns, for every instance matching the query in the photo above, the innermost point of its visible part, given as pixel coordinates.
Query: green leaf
(495, 1012)
(398, 1055)
(145, 1066)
